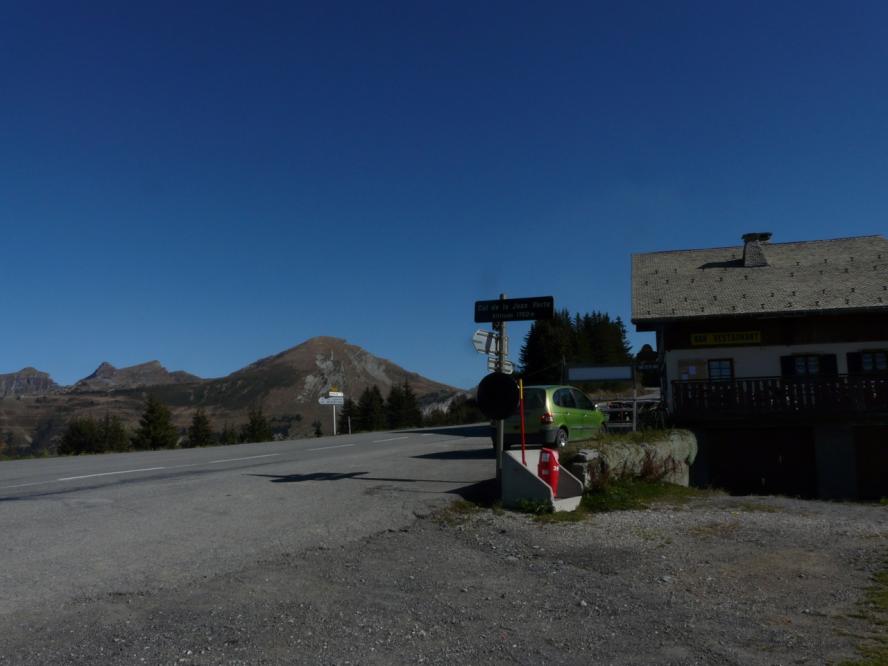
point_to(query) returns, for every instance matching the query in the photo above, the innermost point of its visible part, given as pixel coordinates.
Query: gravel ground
(719, 580)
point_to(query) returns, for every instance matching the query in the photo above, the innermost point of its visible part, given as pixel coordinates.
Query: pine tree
(113, 434)
(371, 410)
(81, 436)
(156, 430)
(318, 428)
(348, 411)
(201, 432)
(394, 407)
(257, 428)
(228, 435)
(411, 414)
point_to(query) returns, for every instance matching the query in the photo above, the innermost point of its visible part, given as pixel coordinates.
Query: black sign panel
(515, 309)
(497, 396)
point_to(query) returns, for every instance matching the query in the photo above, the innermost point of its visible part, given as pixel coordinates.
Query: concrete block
(521, 483)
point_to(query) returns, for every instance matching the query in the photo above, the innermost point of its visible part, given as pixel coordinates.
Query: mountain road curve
(76, 527)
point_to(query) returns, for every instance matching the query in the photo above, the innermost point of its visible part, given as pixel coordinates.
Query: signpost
(487, 342)
(496, 346)
(515, 309)
(333, 398)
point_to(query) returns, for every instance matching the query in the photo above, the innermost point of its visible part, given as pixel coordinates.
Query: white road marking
(390, 439)
(22, 485)
(324, 448)
(267, 455)
(125, 471)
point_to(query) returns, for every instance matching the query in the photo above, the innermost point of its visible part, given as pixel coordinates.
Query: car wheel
(561, 438)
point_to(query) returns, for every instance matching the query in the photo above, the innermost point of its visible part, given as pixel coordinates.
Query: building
(777, 355)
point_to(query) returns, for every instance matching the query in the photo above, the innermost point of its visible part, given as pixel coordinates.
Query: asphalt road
(78, 527)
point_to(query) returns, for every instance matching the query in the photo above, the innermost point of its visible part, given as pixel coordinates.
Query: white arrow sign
(508, 367)
(331, 401)
(336, 394)
(487, 342)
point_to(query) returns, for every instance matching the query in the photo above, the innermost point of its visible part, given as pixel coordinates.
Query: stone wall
(666, 457)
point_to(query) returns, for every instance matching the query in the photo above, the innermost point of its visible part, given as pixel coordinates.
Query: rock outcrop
(663, 458)
(27, 381)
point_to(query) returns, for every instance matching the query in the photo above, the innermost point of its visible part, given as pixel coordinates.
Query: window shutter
(855, 363)
(828, 364)
(787, 366)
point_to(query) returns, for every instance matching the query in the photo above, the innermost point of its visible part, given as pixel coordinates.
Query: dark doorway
(871, 444)
(759, 461)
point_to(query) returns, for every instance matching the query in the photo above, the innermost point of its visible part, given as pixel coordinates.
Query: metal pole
(634, 404)
(500, 327)
(349, 425)
(334, 420)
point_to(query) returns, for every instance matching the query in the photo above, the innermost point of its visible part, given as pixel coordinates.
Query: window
(807, 365)
(582, 401)
(563, 398)
(871, 361)
(874, 361)
(721, 369)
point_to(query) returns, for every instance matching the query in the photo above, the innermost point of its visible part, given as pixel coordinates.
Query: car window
(563, 398)
(581, 400)
(534, 399)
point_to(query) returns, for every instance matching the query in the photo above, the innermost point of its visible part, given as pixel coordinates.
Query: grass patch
(874, 610)
(624, 495)
(629, 494)
(457, 513)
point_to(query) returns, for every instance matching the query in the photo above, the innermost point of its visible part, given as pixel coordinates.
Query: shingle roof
(843, 274)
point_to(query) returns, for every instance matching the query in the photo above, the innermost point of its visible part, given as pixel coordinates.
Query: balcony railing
(833, 397)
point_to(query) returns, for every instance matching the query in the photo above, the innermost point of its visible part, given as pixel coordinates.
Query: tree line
(86, 434)
(552, 345)
(400, 409)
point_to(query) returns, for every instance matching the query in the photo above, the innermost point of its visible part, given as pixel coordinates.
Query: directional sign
(336, 394)
(487, 342)
(331, 401)
(508, 367)
(515, 309)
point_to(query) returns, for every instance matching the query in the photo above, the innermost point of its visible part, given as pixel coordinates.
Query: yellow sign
(735, 338)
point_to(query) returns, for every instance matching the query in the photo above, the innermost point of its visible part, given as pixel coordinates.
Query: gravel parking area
(718, 580)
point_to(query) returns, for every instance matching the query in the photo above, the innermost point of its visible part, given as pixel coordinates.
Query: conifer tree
(156, 430)
(346, 412)
(394, 407)
(371, 409)
(257, 428)
(201, 432)
(228, 435)
(113, 435)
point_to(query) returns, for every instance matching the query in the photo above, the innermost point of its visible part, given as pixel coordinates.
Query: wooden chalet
(780, 346)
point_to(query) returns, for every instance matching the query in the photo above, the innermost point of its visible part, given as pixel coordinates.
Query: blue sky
(206, 184)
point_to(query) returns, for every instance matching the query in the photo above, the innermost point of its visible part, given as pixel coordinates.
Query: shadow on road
(471, 454)
(483, 493)
(336, 476)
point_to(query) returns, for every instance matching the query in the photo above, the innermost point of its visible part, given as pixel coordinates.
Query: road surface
(78, 527)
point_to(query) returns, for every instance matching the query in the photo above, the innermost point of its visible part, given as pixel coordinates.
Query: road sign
(508, 367)
(488, 342)
(515, 309)
(331, 401)
(336, 394)
(497, 396)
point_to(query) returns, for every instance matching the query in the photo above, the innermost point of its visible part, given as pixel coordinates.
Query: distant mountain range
(34, 410)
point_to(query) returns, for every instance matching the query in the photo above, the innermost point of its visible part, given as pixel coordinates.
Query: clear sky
(209, 183)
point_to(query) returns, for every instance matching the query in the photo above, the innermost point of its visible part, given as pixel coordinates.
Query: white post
(334, 420)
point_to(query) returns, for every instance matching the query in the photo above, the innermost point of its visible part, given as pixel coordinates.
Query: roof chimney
(753, 252)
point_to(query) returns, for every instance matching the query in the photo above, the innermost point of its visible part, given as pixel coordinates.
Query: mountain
(27, 381)
(286, 386)
(108, 378)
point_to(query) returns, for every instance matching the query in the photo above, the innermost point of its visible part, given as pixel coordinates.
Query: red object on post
(548, 469)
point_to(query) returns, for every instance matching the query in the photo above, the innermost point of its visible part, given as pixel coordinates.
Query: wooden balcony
(806, 399)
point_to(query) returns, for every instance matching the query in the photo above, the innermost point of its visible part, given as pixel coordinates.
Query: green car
(553, 415)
